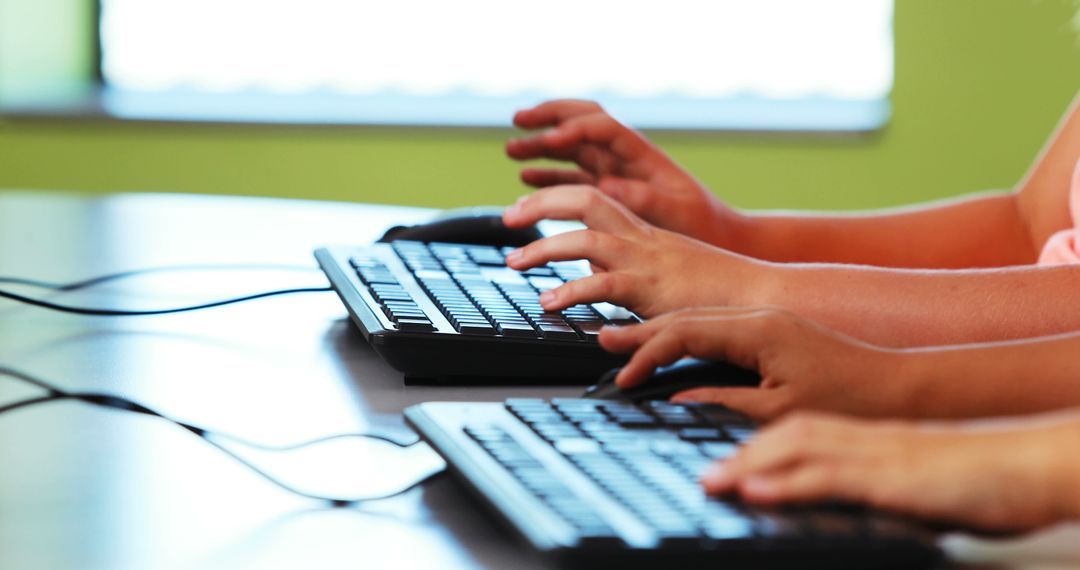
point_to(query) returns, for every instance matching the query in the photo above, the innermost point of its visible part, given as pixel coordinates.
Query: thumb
(759, 403)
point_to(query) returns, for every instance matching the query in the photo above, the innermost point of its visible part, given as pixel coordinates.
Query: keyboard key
(477, 328)
(716, 450)
(487, 256)
(740, 434)
(681, 420)
(544, 283)
(578, 446)
(589, 330)
(390, 297)
(541, 417)
(458, 307)
(674, 447)
(720, 522)
(395, 314)
(404, 305)
(520, 404)
(479, 322)
(540, 271)
(557, 432)
(702, 434)
(576, 404)
(557, 332)
(569, 273)
(465, 314)
(387, 288)
(592, 418)
(691, 466)
(415, 325)
(372, 275)
(635, 420)
(503, 314)
(516, 330)
(550, 319)
(358, 262)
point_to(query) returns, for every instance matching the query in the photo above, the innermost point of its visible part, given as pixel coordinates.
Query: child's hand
(802, 364)
(624, 165)
(1005, 480)
(638, 266)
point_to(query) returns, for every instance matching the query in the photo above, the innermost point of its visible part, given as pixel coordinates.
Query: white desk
(82, 487)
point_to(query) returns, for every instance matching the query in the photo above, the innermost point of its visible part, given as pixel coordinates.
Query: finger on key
(572, 202)
(599, 248)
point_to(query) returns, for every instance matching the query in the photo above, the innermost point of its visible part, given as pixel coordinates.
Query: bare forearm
(993, 379)
(984, 230)
(904, 308)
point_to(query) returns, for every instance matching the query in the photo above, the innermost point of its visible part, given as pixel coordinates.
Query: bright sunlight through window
(738, 64)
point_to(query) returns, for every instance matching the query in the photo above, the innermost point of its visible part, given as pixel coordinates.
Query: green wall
(979, 86)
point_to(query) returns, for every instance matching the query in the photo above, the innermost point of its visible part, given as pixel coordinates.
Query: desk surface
(89, 488)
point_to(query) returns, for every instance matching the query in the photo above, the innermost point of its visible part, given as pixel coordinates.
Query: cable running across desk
(136, 313)
(99, 312)
(108, 401)
(85, 283)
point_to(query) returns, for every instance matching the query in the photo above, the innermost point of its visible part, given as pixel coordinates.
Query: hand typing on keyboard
(803, 365)
(955, 473)
(639, 266)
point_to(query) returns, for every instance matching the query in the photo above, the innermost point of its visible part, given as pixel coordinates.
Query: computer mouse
(667, 381)
(476, 225)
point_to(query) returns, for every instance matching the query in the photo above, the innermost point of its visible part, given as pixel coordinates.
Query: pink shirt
(1064, 247)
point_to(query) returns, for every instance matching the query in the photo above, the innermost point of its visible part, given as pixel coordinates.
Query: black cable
(55, 394)
(126, 313)
(84, 283)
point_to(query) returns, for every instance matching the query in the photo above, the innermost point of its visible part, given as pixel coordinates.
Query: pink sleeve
(1062, 247)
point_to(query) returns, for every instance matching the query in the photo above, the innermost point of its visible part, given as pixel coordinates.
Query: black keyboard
(456, 311)
(612, 482)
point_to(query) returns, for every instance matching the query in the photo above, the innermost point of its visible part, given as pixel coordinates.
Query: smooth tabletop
(83, 487)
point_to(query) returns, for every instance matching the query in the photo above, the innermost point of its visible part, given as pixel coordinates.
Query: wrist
(936, 382)
(730, 228)
(907, 378)
(751, 282)
(1063, 469)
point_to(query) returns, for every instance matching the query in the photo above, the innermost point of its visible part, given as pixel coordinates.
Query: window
(733, 64)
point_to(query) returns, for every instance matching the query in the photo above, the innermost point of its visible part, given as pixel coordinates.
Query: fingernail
(758, 487)
(514, 257)
(521, 199)
(547, 297)
(685, 397)
(513, 210)
(718, 475)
